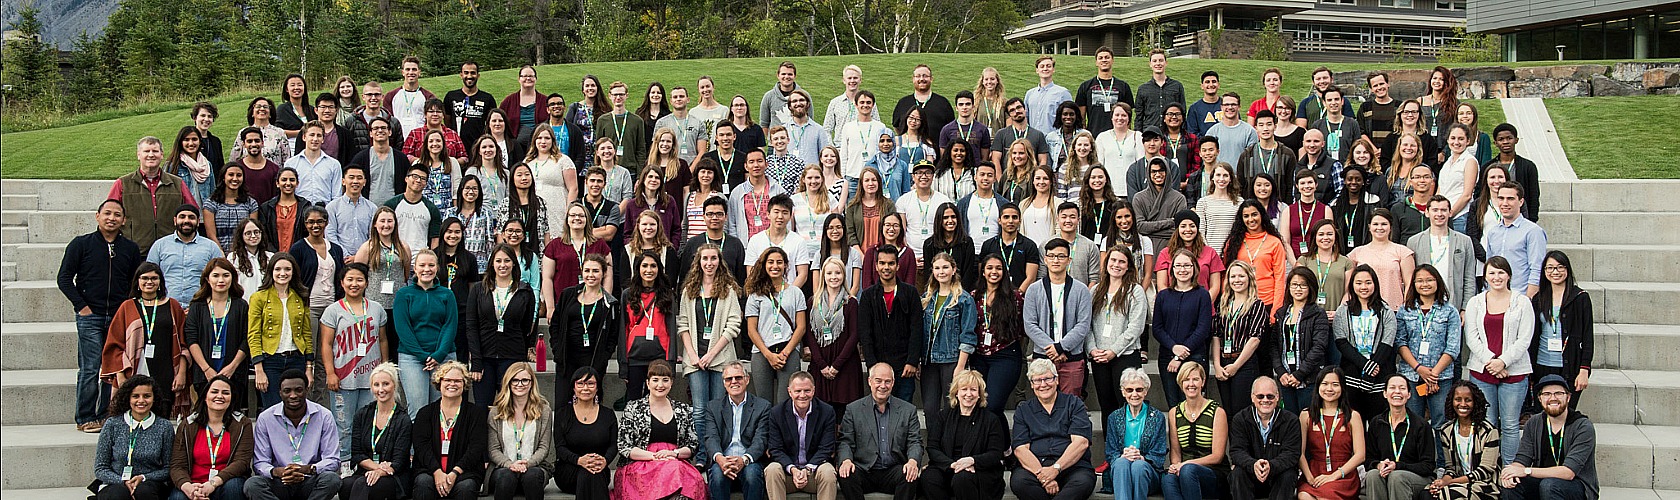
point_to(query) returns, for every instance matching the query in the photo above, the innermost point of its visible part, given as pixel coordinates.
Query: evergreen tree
(31, 66)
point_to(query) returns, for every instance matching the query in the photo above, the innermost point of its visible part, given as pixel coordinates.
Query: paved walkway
(1539, 138)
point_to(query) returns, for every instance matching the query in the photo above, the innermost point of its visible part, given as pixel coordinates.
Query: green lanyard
(1329, 436)
(1396, 446)
(380, 431)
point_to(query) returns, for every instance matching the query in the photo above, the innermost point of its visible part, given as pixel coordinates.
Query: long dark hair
(490, 267)
(175, 151)
(526, 211)
(943, 163)
(1239, 230)
(661, 288)
(957, 237)
(241, 195)
(234, 290)
(268, 275)
(444, 228)
(1544, 297)
(1116, 236)
(201, 410)
(1341, 403)
(827, 246)
(238, 251)
(1413, 300)
(461, 187)
(1478, 401)
(1377, 304)
(759, 281)
(1088, 201)
(1106, 283)
(1004, 310)
(706, 163)
(119, 401)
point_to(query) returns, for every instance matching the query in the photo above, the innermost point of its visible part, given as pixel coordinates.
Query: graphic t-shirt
(355, 342)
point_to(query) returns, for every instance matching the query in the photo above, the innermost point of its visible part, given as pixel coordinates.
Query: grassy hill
(105, 149)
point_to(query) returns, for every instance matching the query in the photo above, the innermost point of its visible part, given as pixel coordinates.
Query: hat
(186, 207)
(1186, 215)
(1553, 379)
(1152, 130)
(921, 165)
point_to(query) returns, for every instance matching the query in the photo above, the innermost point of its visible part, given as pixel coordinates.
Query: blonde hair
(535, 403)
(967, 378)
(437, 375)
(820, 205)
(1074, 166)
(390, 369)
(1225, 299)
(1186, 368)
(933, 286)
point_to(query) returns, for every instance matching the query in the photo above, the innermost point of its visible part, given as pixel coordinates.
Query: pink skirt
(658, 479)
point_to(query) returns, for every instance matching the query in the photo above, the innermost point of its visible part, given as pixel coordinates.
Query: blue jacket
(1444, 333)
(1153, 445)
(955, 329)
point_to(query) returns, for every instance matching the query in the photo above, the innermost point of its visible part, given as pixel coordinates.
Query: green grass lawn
(104, 149)
(1619, 137)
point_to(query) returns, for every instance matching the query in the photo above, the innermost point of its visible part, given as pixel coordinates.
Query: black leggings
(578, 481)
(146, 490)
(508, 483)
(356, 488)
(1106, 376)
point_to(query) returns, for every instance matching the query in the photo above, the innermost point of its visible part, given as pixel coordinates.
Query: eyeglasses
(1555, 268)
(452, 381)
(316, 222)
(522, 381)
(1170, 113)
(1043, 380)
(370, 94)
(1184, 266)
(1056, 256)
(1553, 394)
(1134, 390)
(714, 214)
(1265, 397)
(734, 378)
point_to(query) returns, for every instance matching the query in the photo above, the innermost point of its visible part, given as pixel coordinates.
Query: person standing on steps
(94, 277)
(146, 193)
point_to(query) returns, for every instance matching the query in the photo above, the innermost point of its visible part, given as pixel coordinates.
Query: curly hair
(1478, 401)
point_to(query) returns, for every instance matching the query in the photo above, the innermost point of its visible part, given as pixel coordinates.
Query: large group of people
(387, 272)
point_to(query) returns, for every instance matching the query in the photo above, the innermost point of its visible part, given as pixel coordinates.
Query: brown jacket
(125, 343)
(181, 461)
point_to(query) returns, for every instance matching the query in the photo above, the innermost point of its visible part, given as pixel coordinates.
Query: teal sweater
(425, 320)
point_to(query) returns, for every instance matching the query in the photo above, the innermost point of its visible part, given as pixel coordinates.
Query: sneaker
(91, 427)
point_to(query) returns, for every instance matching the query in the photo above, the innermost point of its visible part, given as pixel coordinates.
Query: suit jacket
(720, 425)
(857, 433)
(820, 439)
(1463, 268)
(890, 336)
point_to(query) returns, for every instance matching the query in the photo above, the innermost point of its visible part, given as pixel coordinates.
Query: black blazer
(1576, 318)
(566, 310)
(755, 428)
(266, 218)
(820, 437)
(946, 444)
(1313, 343)
(469, 445)
(518, 326)
(393, 443)
(894, 337)
(200, 330)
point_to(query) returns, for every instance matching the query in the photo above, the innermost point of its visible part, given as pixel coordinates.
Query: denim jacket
(955, 331)
(1153, 444)
(1444, 333)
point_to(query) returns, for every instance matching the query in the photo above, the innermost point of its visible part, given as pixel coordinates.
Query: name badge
(586, 340)
(985, 229)
(1555, 345)
(621, 151)
(216, 352)
(926, 231)
(387, 287)
(128, 472)
(297, 458)
(706, 333)
(1229, 346)
(212, 473)
(362, 350)
(1108, 107)
(151, 350)
(1321, 300)
(758, 220)
(500, 327)
(1302, 248)
(1423, 348)
(1289, 358)
(444, 447)
(649, 334)
(683, 149)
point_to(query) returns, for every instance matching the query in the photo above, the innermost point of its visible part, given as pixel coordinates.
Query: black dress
(573, 439)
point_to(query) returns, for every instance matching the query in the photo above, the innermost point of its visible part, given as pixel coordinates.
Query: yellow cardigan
(265, 323)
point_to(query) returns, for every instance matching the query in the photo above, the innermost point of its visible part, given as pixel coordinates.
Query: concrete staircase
(1625, 244)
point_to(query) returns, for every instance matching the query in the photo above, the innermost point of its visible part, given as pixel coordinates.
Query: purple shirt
(316, 437)
(802, 419)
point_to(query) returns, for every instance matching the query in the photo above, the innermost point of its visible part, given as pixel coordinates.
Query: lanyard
(297, 441)
(827, 320)
(380, 431)
(776, 303)
(519, 441)
(965, 133)
(1329, 436)
(220, 323)
(446, 431)
(1347, 222)
(728, 166)
(1555, 444)
(1301, 215)
(647, 313)
(148, 317)
(1266, 161)
(501, 301)
(588, 319)
(619, 128)
(1464, 447)
(133, 439)
(1231, 327)
(215, 446)
(940, 302)
(1394, 446)
(1008, 254)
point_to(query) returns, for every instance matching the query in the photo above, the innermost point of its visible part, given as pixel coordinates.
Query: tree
(91, 83)
(31, 66)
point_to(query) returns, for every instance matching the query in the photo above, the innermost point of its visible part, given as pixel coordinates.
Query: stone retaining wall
(1568, 80)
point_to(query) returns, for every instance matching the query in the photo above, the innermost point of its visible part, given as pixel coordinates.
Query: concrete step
(63, 195)
(1612, 228)
(38, 346)
(46, 456)
(38, 397)
(1608, 195)
(1634, 302)
(1636, 347)
(17, 234)
(1607, 262)
(20, 202)
(35, 261)
(15, 217)
(1638, 456)
(1654, 397)
(8, 271)
(58, 226)
(33, 301)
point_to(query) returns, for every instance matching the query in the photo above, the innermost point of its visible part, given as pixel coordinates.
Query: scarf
(198, 166)
(830, 318)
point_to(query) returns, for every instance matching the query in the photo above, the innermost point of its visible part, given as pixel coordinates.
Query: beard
(1556, 410)
(187, 230)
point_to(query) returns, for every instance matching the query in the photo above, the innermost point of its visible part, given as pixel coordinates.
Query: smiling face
(1330, 389)
(1238, 279)
(384, 387)
(425, 269)
(140, 400)
(452, 383)
(584, 388)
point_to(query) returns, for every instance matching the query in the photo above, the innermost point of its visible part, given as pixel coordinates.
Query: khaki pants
(824, 482)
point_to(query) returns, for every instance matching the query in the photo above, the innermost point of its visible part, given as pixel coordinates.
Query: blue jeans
(905, 388)
(345, 404)
(1505, 402)
(272, 367)
(1002, 371)
(1460, 223)
(232, 489)
(703, 387)
(1132, 479)
(416, 381)
(1189, 483)
(1294, 399)
(1434, 405)
(92, 396)
(750, 481)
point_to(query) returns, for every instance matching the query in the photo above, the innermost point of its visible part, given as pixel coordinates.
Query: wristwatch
(1056, 466)
(1528, 471)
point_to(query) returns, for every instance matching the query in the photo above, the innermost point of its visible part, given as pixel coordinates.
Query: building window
(1065, 46)
(1398, 4)
(1449, 5)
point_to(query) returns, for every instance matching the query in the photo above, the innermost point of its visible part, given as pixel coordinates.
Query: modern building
(1321, 30)
(1580, 29)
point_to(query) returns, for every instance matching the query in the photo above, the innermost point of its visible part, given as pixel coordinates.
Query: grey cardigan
(1075, 310)
(726, 326)
(542, 455)
(1126, 334)
(1463, 264)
